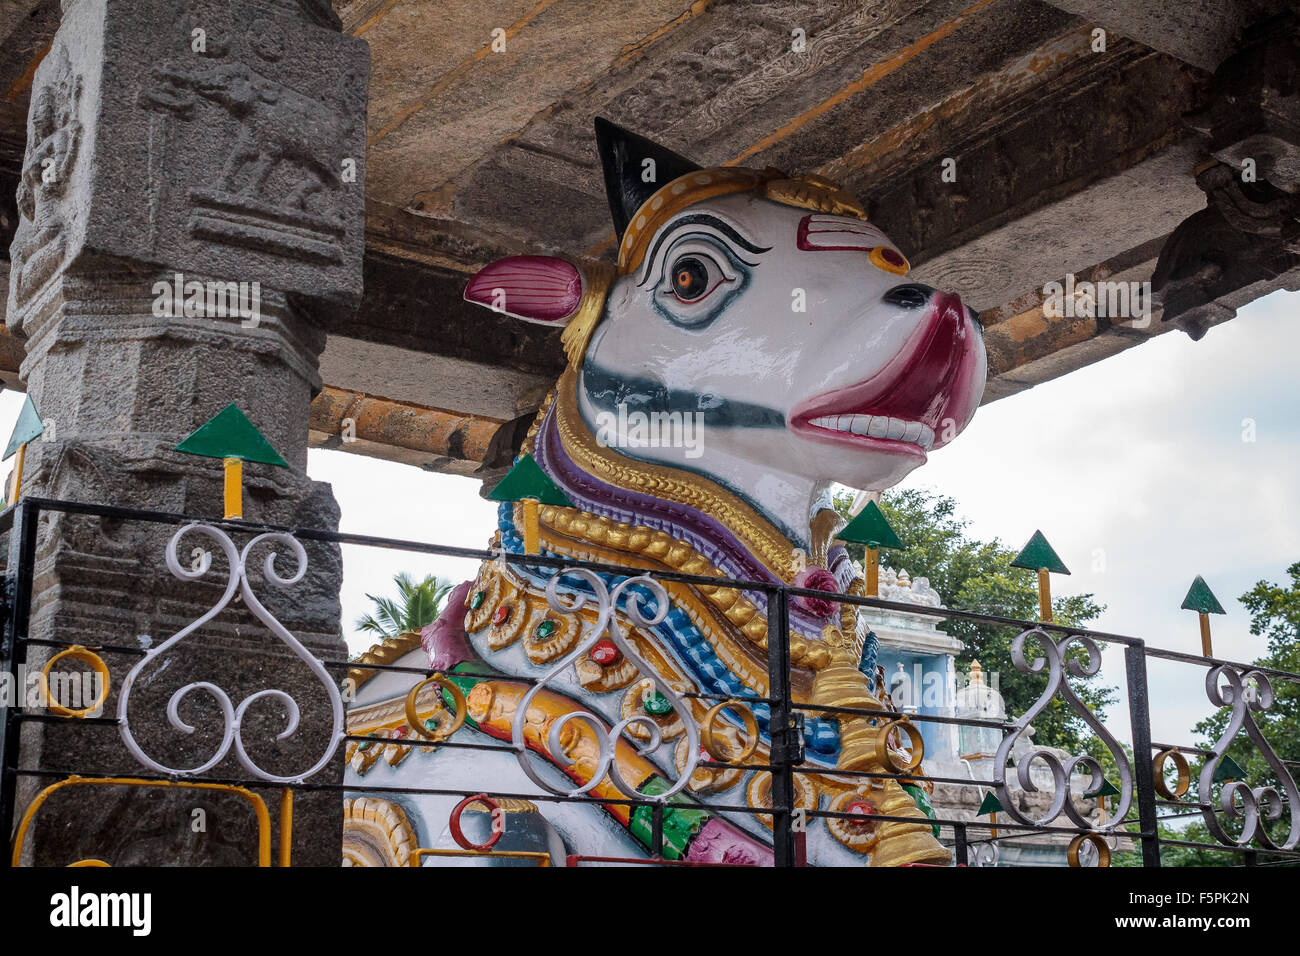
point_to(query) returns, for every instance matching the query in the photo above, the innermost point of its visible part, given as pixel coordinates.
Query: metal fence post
(1139, 709)
(961, 846)
(780, 726)
(22, 558)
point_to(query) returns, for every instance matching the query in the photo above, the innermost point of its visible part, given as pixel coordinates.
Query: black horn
(628, 180)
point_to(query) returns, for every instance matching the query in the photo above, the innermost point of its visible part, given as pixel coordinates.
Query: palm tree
(416, 604)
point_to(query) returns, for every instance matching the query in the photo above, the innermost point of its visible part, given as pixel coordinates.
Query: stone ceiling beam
(430, 438)
(1200, 32)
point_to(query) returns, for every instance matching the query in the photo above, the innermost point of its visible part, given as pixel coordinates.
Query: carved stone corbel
(1247, 240)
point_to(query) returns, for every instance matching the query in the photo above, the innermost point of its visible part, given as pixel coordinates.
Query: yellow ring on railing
(413, 718)
(90, 862)
(711, 743)
(97, 664)
(1158, 774)
(1097, 840)
(887, 757)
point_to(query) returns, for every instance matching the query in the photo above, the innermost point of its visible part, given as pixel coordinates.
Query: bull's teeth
(878, 426)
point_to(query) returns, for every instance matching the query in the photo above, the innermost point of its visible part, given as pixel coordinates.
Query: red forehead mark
(826, 233)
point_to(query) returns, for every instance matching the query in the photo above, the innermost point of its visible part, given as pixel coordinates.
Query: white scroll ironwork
(1057, 663)
(1258, 803)
(606, 602)
(232, 716)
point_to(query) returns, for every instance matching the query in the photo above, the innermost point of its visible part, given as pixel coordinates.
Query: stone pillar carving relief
(201, 148)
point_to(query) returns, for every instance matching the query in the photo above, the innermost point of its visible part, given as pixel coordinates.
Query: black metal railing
(1256, 815)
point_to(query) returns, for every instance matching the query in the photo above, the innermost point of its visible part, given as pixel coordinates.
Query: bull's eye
(698, 275)
(690, 277)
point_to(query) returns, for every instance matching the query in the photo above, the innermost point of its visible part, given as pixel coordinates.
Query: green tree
(417, 604)
(1274, 615)
(975, 575)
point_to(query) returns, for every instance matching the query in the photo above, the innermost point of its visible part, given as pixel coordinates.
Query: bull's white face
(802, 361)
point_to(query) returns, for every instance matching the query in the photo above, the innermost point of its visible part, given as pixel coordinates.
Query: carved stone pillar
(216, 146)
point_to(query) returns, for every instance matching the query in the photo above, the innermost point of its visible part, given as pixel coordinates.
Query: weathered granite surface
(223, 141)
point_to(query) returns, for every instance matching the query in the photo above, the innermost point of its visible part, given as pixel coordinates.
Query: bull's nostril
(911, 295)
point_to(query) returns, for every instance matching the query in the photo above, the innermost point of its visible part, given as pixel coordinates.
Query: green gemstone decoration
(681, 824)
(366, 745)
(657, 705)
(545, 630)
(477, 600)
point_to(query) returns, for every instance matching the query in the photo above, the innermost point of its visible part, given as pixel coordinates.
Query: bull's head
(769, 308)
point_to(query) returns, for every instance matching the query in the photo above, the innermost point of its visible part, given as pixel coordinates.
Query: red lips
(927, 382)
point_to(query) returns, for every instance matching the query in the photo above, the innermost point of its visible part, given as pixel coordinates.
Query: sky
(1173, 459)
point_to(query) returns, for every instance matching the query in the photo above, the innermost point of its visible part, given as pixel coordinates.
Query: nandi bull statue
(757, 340)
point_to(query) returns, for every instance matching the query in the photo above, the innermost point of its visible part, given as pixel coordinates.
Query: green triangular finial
(1038, 554)
(991, 804)
(229, 434)
(28, 426)
(527, 480)
(1228, 770)
(870, 528)
(1107, 789)
(1201, 598)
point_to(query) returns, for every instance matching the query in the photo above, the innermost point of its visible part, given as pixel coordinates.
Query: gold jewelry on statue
(705, 779)
(671, 199)
(759, 795)
(858, 835)
(759, 536)
(816, 193)
(841, 684)
(597, 277)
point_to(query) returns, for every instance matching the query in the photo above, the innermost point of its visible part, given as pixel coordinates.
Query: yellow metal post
(1044, 597)
(1206, 649)
(18, 470)
(530, 525)
(234, 487)
(873, 572)
(286, 826)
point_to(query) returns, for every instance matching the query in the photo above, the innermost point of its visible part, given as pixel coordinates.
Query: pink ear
(539, 289)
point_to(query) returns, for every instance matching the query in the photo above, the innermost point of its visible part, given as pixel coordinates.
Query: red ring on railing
(459, 836)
